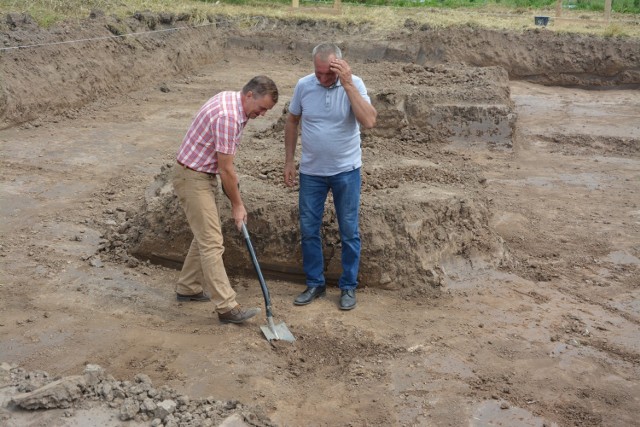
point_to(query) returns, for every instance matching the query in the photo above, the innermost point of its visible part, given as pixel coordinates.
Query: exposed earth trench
(500, 225)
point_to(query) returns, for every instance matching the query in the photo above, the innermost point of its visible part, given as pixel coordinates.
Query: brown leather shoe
(238, 315)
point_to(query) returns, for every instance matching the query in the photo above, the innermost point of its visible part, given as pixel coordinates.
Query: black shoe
(238, 315)
(348, 299)
(311, 293)
(201, 296)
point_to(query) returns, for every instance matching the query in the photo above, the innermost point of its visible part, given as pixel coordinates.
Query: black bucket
(541, 21)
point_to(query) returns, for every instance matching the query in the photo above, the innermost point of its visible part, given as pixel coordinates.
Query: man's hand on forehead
(336, 63)
(342, 69)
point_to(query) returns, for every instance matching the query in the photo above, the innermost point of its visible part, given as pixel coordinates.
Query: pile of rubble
(136, 400)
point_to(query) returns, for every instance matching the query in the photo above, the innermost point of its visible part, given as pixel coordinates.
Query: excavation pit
(421, 205)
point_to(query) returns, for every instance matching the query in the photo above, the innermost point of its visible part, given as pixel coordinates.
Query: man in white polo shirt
(331, 105)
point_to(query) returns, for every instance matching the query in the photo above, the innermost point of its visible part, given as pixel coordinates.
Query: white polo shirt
(330, 131)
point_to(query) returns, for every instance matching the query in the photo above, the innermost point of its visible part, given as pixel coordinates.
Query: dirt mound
(421, 205)
(443, 103)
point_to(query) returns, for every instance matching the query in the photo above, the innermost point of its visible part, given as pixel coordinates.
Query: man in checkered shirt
(208, 151)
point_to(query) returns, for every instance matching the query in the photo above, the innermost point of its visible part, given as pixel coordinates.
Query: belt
(187, 167)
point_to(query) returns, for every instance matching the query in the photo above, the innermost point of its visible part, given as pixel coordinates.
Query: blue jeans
(346, 197)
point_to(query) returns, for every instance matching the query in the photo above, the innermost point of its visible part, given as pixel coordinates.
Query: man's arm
(365, 112)
(290, 142)
(229, 179)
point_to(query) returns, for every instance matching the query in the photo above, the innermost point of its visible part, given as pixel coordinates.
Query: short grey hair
(261, 86)
(324, 50)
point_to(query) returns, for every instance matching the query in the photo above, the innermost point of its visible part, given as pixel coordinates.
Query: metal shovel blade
(277, 332)
(271, 331)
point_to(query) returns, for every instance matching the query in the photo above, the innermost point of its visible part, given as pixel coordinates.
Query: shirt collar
(243, 114)
(333, 86)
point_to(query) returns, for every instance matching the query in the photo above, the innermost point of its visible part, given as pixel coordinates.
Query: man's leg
(190, 279)
(195, 192)
(312, 196)
(346, 197)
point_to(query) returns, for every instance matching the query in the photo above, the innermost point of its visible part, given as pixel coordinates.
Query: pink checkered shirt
(217, 128)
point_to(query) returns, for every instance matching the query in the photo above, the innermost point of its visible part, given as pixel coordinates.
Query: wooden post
(295, 3)
(607, 10)
(559, 9)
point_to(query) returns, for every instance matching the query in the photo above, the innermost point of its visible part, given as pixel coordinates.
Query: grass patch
(619, 6)
(495, 14)
(614, 30)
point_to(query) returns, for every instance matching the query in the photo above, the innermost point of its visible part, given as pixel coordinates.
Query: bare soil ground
(534, 322)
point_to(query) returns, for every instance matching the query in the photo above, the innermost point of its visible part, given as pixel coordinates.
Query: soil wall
(95, 61)
(101, 57)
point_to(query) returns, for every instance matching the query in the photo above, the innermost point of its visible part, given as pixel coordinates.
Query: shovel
(271, 331)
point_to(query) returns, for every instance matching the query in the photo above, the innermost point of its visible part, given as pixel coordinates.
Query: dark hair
(323, 50)
(261, 86)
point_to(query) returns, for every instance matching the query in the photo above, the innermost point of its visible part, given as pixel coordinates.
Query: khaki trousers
(203, 267)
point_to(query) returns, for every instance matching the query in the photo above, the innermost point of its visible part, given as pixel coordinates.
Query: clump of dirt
(320, 352)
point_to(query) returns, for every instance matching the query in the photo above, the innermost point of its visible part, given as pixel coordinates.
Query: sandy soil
(540, 330)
